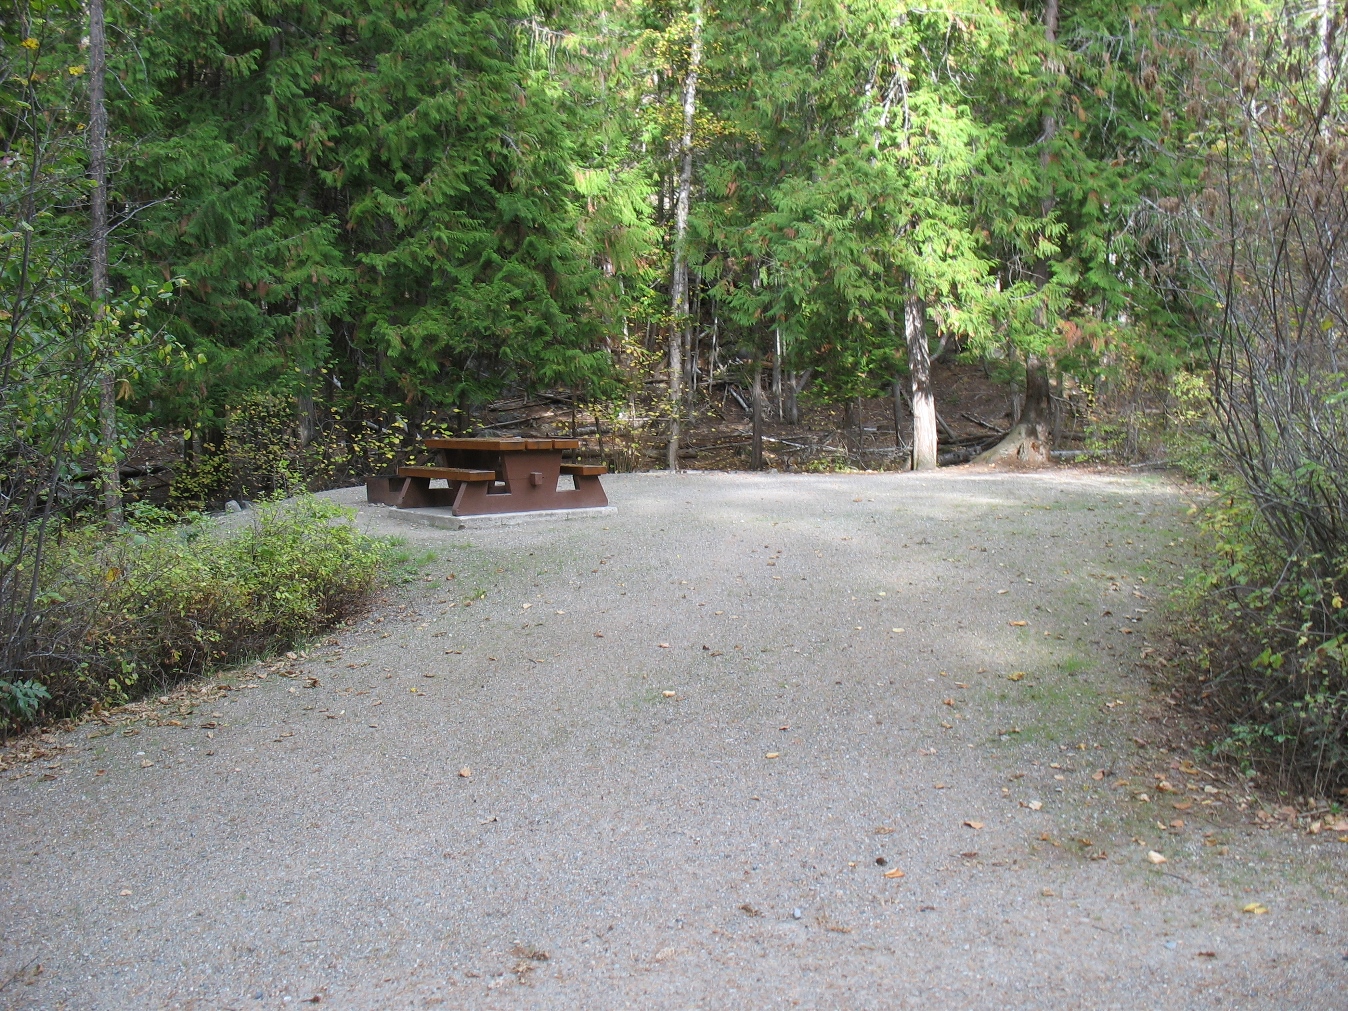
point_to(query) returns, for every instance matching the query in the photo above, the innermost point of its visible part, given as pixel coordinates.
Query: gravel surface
(670, 759)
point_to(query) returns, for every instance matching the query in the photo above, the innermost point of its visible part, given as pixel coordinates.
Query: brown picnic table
(487, 476)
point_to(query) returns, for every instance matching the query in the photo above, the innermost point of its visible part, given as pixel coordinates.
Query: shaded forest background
(252, 248)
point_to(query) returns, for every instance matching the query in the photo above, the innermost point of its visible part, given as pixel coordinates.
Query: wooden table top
(503, 445)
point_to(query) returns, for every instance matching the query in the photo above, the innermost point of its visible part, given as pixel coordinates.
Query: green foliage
(1271, 633)
(20, 702)
(128, 613)
(1140, 415)
(406, 203)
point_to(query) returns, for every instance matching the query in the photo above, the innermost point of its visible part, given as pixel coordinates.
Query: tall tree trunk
(756, 452)
(897, 392)
(1028, 441)
(919, 367)
(777, 371)
(678, 288)
(792, 403)
(98, 258)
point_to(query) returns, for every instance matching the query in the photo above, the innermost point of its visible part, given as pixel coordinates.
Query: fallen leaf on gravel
(428, 675)
(1155, 857)
(975, 825)
(1205, 954)
(749, 910)
(948, 726)
(883, 830)
(125, 891)
(145, 763)
(894, 872)
(1018, 624)
(969, 854)
(668, 695)
(458, 651)
(772, 754)
(898, 630)
(599, 635)
(663, 645)
(1017, 676)
(465, 772)
(1257, 908)
(948, 702)
(1098, 775)
(1033, 805)
(1182, 805)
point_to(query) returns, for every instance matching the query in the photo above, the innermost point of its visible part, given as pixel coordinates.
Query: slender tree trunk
(792, 403)
(919, 367)
(777, 371)
(678, 288)
(1027, 443)
(897, 393)
(756, 453)
(98, 257)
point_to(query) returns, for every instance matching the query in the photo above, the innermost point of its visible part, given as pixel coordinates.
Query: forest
(252, 248)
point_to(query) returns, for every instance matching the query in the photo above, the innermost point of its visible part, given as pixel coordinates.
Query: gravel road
(755, 741)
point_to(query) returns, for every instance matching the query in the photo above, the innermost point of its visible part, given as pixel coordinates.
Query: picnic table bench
(486, 476)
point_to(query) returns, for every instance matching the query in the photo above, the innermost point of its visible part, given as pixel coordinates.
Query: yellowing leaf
(772, 754)
(1017, 676)
(1018, 624)
(465, 772)
(1156, 858)
(668, 695)
(975, 825)
(1257, 908)
(894, 873)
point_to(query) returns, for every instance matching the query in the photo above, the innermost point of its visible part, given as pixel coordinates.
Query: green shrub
(126, 614)
(1270, 636)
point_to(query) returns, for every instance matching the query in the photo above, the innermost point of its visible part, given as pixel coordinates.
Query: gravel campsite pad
(754, 741)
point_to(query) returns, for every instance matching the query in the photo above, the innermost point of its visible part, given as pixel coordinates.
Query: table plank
(480, 445)
(511, 445)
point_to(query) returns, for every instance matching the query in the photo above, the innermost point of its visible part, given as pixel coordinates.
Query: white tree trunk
(678, 288)
(919, 367)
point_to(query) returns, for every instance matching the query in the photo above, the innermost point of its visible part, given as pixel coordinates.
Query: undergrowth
(125, 614)
(1267, 634)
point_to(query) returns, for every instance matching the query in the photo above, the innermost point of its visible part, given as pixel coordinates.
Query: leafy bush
(127, 613)
(1272, 631)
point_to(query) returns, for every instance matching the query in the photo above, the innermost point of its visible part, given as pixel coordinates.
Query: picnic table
(487, 476)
